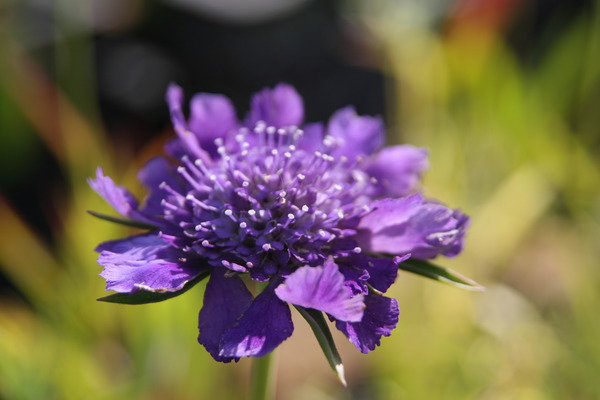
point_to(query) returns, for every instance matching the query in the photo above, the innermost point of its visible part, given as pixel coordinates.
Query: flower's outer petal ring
(225, 300)
(380, 318)
(322, 288)
(144, 262)
(281, 106)
(262, 328)
(355, 135)
(398, 170)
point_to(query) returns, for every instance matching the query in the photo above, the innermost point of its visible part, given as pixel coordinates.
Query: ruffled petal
(382, 272)
(398, 170)
(281, 106)
(211, 117)
(145, 262)
(412, 225)
(322, 288)
(117, 196)
(156, 172)
(225, 300)
(188, 140)
(312, 139)
(355, 135)
(264, 325)
(380, 318)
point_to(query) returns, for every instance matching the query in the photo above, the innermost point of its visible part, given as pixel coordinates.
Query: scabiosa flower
(321, 213)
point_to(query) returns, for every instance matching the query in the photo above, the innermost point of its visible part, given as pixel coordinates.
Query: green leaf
(123, 221)
(145, 296)
(446, 275)
(321, 330)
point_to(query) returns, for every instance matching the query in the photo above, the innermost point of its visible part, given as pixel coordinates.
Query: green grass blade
(446, 275)
(123, 221)
(321, 330)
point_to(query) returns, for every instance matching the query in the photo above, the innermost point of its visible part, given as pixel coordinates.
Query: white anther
(328, 140)
(251, 212)
(305, 208)
(291, 216)
(243, 225)
(228, 213)
(357, 250)
(271, 130)
(205, 243)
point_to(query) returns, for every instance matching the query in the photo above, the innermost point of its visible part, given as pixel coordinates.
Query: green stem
(262, 380)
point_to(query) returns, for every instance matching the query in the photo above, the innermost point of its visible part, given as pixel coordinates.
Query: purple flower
(320, 213)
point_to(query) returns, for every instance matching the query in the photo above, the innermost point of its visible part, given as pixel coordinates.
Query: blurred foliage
(514, 145)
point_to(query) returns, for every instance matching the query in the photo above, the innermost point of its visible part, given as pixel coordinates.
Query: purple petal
(355, 135)
(382, 272)
(398, 170)
(225, 300)
(145, 262)
(211, 117)
(322, 288)
(281, 106)
(188, 140)
(117, 196)
(262, 328)
(380, 318)
(412, 225)
(152, 175)
(312, 139)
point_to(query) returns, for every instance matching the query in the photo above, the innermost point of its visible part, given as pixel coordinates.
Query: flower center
(267, 204)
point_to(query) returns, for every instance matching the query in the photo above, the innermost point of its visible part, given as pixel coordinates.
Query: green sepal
(123, 221)
(145, 296)
(319, 326)
(446, 275)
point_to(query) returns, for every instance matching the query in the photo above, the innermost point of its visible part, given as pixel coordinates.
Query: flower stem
(263, 378)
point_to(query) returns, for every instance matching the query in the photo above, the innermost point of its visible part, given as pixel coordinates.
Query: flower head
(317, 212)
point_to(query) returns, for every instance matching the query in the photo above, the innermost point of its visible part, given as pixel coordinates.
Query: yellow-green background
(514, 146)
